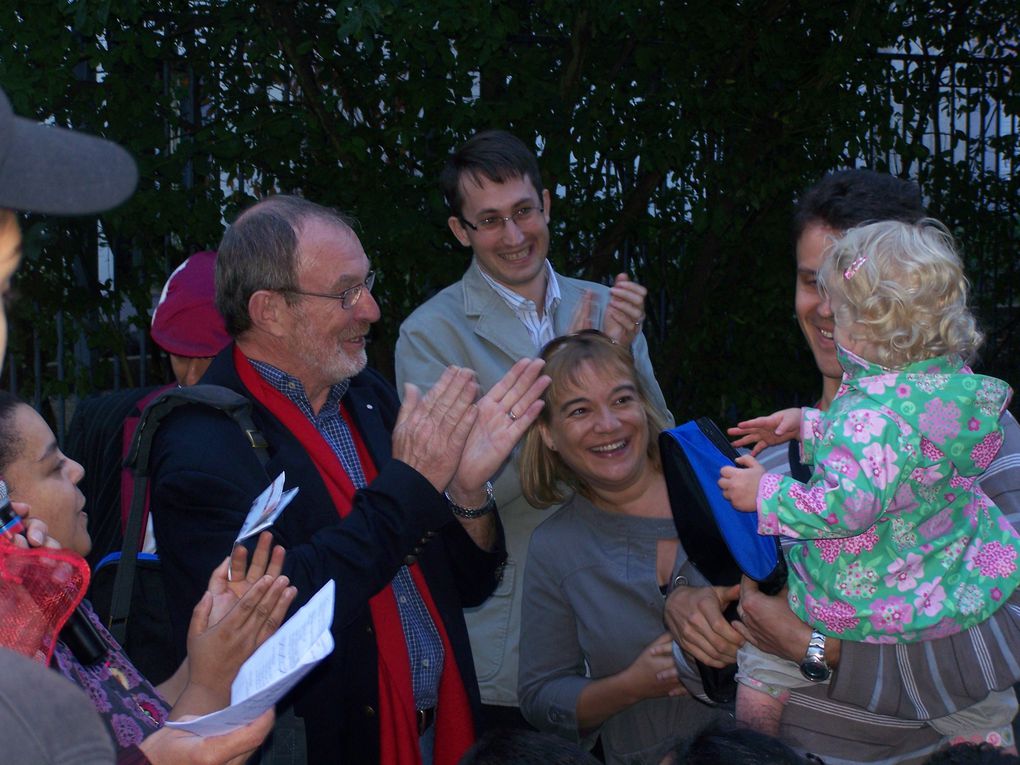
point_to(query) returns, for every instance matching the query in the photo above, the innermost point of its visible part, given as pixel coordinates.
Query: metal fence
(955, 112)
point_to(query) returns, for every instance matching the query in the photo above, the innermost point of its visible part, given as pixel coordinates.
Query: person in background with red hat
(185, 322)
(187, 326)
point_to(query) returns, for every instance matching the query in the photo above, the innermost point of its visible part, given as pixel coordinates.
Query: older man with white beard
(295, 288)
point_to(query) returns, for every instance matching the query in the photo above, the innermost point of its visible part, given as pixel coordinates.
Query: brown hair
(259, 252)
(495, 155)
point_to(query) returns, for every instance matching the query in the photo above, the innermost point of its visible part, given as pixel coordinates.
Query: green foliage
(674, 136)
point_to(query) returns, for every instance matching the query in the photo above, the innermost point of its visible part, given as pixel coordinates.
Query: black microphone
(78, 633)
(10, 521)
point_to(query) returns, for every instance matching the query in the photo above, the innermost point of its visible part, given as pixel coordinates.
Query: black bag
(720, 541)
(148, 641)
(127, 587)
(136, 613)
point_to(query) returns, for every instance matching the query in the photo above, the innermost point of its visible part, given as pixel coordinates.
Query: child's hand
(775, 428)
(740, 484)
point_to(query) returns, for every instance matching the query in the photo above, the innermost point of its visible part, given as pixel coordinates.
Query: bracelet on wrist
(473, 512)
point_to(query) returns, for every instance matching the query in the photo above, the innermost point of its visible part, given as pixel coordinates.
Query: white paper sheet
(266, 508)
(277, 666)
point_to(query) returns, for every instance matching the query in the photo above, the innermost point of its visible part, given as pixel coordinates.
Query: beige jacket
(469, 325)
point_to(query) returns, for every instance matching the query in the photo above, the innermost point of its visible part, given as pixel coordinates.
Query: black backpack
(127, 591)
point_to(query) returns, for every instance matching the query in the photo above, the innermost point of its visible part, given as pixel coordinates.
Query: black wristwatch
(813, 665)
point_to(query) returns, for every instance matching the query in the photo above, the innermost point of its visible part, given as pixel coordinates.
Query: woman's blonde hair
(545, 478)
(904, 291)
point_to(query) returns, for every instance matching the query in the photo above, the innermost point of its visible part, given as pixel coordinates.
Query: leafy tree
(674, 136)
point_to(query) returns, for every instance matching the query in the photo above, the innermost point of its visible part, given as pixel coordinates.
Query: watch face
(814, 670)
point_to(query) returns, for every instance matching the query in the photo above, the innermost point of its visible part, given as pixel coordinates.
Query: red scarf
(398, 729)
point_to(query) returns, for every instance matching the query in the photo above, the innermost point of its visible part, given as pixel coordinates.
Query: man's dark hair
(723, 744)
(849, 198)
(972, 754)
(495, 155)
(259, 252)
(524, 747)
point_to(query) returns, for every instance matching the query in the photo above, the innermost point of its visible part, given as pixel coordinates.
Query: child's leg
(763, 687)
(758, 710)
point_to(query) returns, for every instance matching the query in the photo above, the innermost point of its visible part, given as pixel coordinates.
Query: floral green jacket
(904, 546)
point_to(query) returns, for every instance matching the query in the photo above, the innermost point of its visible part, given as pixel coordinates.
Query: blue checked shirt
(424, 646)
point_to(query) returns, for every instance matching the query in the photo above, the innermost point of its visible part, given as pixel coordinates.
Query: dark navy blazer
(205, 476)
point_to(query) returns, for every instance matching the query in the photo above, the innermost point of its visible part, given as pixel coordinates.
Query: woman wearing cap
(594, 656)
(51, 170)
(185, 322)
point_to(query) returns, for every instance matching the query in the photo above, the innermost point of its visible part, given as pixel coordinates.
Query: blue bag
(720, 541)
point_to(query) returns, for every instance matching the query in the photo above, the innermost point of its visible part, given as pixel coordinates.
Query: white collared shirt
(540, 328)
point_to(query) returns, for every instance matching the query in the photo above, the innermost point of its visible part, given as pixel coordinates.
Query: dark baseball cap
(52, 170)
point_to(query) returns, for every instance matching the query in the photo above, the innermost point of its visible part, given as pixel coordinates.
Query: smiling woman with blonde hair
(594, 659)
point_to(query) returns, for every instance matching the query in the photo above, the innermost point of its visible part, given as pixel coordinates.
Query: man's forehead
(812, 245)
(475, 183)
(332, 248)
(317, 234)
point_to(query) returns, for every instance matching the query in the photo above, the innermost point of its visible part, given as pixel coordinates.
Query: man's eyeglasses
(521, 216)
(348, 298)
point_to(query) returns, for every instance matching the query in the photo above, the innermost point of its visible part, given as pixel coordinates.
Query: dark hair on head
(972, 754)
(524, 747)
(259, 252)
(727, 744)
(495, 155)
(849, 198)
(11, 443)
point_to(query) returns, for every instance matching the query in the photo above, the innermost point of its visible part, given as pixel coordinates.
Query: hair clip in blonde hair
(854, 267)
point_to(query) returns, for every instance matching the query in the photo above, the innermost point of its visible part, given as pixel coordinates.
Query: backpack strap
(216, 396)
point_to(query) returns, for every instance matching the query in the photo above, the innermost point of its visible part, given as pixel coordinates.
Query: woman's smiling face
(599, 429)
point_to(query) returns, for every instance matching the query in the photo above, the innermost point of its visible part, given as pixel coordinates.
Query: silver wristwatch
(813, 665)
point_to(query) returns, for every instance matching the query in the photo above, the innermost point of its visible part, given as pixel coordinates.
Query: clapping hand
(232, 619)
(431, 430)
(504, 414)
(625, 312)
(170, 746)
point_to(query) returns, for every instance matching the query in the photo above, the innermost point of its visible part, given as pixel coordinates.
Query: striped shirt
(540, 328)
(424, 646)
(880, 695)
